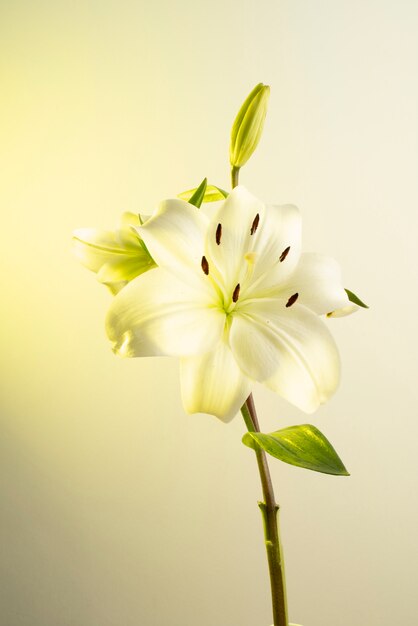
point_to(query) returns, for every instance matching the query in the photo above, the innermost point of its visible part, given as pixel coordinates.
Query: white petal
(213, 383)
(317, 280)
(227, 247)
(130, 219)
(289, 349)
(93, 247)
(125, 269)
(116, 287)
(346, 310)
(175, 236)
(211, 208)
(157, 314)
(254, 346)
(128, 232)
(277, 248)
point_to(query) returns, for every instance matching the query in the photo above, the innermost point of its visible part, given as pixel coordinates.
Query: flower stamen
(235, 295)
(205, 265)
(218, 234)
(292, 300)
(284, 254)
(255, 224)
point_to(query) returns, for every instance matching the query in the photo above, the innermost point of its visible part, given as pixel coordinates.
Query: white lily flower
(116, 256)
(235, 299)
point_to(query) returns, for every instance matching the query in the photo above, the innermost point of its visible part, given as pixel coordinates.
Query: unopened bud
(248, 125)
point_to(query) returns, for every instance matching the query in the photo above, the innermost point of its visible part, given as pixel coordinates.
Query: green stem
(269, 510)
(234, 176)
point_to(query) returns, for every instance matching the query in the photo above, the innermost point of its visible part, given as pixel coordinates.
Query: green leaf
(222, 192)
(353, 298)
(199, 194)
(212, 194)
(303, 446)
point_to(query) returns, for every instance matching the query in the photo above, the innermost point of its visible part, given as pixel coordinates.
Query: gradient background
(117, 508)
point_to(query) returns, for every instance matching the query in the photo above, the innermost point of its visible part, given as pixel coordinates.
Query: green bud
(248, 125)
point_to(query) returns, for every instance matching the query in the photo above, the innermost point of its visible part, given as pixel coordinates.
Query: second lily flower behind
(235, 299)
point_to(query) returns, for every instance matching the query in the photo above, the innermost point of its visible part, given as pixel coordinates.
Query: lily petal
(288, 349)
(213, 383)
(93, 247)
(125, 269)
(277, 249)
(129, 229)
(229, 237)
(317, 281)
(346, 310)
(116, 256)
(131, 219)
(157, 314)
(175, 236)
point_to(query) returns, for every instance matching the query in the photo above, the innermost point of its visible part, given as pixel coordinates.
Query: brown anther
(205, 265)
(235, 295)
(255, 224)
(218, 234)
(284, 254)
(292, 300)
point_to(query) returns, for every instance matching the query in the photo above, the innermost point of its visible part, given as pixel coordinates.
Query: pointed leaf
(355, 299)
(199, 194)
(303, 446)
(212, 194)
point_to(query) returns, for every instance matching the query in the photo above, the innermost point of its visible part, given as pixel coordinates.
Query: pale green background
(116, 508)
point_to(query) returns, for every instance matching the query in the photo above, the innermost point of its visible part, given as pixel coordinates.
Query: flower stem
(269, 510)
(234, 176)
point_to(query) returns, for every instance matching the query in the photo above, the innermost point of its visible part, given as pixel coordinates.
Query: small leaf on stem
(304, 446)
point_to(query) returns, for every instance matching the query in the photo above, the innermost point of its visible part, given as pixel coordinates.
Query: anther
(292, 300)
(255, 224)
(218, 234)
(235, 295)
(205, 265)
(284, 254)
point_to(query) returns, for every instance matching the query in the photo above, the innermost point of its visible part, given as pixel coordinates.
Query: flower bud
(116, 256)
(248, 125)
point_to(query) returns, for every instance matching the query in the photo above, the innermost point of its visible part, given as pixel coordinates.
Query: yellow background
(117, 509)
